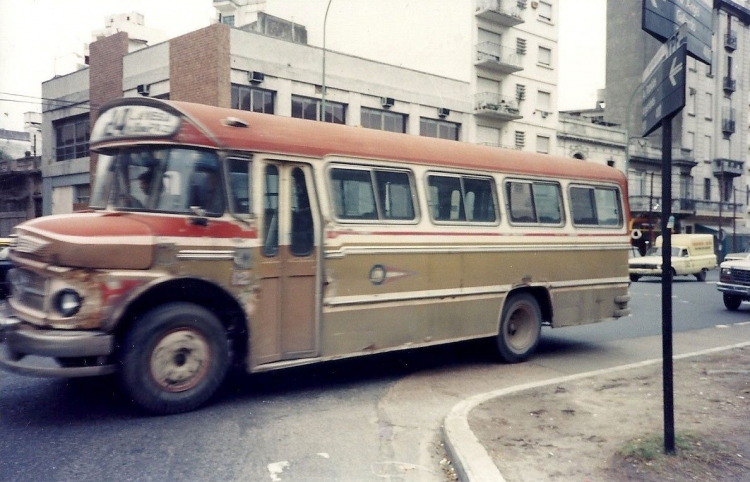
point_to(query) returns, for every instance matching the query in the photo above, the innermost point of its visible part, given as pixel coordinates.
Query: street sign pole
(666, 283)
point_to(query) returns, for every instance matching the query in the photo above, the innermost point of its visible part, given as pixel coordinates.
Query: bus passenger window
(583, 206)
(394, 195)
(479, 199)
(547, 203)
(353, 195)
(520, 202)
(239, 186)
(597, 206)
(446, 198)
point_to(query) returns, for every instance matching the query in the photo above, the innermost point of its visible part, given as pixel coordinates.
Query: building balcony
(496, 106)
(501, 12)
(727, 167)
(497, 58)
(730, 42)
(727, 126)
(712, 208)
(23, 165)
(729, 84)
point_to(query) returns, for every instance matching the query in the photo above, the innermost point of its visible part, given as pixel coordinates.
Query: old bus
(217, 237)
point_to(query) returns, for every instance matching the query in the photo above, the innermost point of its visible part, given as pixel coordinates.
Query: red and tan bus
(217, 237)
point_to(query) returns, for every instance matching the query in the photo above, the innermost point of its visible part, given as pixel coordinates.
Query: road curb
(470, 459)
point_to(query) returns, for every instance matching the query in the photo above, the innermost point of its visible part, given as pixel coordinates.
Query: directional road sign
(664, 89)
(661, 18)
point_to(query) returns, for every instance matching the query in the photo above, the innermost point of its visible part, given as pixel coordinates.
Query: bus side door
(285, 327)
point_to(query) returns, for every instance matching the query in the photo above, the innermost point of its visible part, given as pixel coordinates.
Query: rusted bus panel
(585, 304)
(378, 327)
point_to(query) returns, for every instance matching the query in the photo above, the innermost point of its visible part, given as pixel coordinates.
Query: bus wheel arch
(520, 324)
(174, 358)
(195, 291)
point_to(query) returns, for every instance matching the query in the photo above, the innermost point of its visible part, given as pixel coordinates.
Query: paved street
(369, 419)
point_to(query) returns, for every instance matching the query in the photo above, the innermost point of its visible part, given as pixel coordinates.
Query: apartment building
(256, 61)
(709, 137)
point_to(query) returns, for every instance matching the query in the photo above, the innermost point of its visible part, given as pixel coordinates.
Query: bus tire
(701, 275)
(732, 302)
(634, 277)
(174, 358)
(520, 328)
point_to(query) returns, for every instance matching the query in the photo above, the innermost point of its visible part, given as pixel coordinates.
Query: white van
(692, 254)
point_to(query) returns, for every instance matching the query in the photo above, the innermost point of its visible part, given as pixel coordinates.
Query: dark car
(5, 266)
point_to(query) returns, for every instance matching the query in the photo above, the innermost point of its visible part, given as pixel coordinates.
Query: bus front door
(285, 327)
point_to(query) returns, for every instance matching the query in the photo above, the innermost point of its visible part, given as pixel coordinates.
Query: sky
(43, 38)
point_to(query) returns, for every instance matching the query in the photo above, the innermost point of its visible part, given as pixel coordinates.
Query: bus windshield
(158, 179)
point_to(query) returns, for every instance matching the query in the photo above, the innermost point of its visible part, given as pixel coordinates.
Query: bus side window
(547, 202)
(583, 206)
(520, 202)
(353, 195)
(446, 198)
(479, 200)
(394, 195)
(607, 206)
(239, 186)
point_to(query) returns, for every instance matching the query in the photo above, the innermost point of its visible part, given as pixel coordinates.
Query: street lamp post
(323, 83)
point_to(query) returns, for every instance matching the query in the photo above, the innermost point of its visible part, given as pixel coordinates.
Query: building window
(520, 139)
(252, 99)
(707, 189)
(707, 148)
(709, 105)
(308, 108)
(544, 101)
(521, 46)
(545, 11)
(71, 138)
(383, 120)
(228, 20)
(545, 56)
(690, 103)
(438, 128)
(542, 144)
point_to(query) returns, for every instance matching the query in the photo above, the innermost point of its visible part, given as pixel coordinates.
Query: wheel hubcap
(520, 329)
(180, 360)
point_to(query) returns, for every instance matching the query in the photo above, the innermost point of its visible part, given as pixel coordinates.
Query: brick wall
(199, 67)
(105, 77)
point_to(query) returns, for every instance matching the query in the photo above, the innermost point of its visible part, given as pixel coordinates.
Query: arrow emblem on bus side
(674, 70)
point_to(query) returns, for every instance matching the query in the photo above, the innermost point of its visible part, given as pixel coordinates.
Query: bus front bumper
(18, 340)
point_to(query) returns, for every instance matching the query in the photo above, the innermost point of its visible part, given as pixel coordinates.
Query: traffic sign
(664, 89)
(661, 18)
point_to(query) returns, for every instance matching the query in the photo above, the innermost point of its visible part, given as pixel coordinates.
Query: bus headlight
(68, 302)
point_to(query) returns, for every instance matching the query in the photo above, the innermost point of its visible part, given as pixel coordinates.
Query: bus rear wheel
(520, 328)
(174, 358)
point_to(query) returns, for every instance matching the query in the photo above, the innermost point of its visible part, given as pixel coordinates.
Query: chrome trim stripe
(481, 291)
(205, 255)
(536, 248)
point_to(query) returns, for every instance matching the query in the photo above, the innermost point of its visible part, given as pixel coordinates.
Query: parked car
(692, 254)
(745, 254)
(734, 282)
(5, 266)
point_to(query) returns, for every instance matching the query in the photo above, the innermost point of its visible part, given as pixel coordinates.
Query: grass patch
(648, 449)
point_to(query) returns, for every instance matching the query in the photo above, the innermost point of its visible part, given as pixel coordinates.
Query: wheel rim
(180, 360)
(521, 328)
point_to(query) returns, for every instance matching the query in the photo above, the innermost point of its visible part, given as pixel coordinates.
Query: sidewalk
(569, 428)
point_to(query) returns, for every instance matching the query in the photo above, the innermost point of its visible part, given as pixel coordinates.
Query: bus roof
(286, 135)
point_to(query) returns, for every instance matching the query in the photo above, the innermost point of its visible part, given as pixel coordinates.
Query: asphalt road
(369, 419)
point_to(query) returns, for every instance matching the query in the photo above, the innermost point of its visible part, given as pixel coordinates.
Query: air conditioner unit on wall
(387, 102)
(443, 112)
(143, 89)
(255, 77)
(534, 4)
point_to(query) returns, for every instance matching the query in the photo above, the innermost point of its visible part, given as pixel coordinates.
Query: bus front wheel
(174, 358)
(520, 328)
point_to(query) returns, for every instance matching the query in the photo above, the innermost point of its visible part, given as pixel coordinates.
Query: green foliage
(648, 449)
